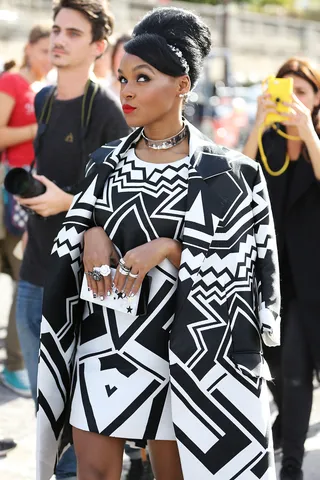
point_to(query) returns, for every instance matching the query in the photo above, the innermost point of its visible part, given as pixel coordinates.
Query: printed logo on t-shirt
(69, 138)
(29, 108)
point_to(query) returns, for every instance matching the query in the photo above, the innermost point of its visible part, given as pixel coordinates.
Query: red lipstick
(128, 109)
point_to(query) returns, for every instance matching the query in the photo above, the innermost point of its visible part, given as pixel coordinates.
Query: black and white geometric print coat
(227, 304)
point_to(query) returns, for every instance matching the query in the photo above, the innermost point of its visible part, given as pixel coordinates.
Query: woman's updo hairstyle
(167, 32)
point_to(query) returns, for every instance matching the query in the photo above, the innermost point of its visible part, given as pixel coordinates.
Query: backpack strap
(43, 106)
(42, 101)
(90, 92)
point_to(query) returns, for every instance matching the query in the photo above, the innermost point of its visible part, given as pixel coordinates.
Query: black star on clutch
(120, 295)
(129, 309)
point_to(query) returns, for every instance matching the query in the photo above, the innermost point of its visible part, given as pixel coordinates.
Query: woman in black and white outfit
(188, 376)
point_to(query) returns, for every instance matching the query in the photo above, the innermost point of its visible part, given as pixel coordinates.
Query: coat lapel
(205, 207)
(112, 156)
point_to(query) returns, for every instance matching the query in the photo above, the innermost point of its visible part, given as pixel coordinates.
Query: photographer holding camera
(295, 200)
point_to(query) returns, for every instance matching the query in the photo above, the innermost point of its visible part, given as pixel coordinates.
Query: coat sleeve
(267, 266)
(61, 317)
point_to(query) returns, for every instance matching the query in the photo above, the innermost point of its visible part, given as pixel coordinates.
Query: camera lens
(16, 181)
(21, 183)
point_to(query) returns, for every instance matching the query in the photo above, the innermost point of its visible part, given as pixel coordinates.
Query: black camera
(21, 183)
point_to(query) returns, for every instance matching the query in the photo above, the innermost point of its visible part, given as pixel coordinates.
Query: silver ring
(126, 269)
(123, 271)
(96, 276)
(133, 275)
(104, 270)
(123, 265)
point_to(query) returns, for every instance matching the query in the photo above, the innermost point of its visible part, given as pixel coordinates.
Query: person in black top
(295, 199)
(77, 123)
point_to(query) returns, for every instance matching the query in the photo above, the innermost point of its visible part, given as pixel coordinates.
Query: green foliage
(263, 3)
(219, 2)
(255, 3)
(313, 13)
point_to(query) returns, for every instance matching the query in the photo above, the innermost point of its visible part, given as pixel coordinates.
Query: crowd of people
(152, 273)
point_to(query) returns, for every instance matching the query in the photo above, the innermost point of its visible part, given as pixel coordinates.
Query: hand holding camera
(299, 117)
(273, 104)
(265, 107)
(37, 192)
(51, 202)
(278, 104)
(280, 91)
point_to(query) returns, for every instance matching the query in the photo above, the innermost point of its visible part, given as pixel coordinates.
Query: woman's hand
(264, 106)
(300, 117)
(98, 250)
(142, 259)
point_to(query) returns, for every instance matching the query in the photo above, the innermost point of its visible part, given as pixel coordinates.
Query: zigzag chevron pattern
(207, 391)
(119, 365)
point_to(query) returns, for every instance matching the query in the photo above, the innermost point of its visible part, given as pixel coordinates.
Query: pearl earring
(181, 95)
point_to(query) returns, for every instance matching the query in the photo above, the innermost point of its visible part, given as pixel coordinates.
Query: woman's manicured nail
(101, 297)
(108, 293)
(89, 289)
(131, 295)
(94, 295)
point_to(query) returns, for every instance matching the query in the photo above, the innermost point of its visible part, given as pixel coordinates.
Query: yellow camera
(281, 90)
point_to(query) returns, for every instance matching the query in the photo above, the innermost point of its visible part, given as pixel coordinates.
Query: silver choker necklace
(167, 142)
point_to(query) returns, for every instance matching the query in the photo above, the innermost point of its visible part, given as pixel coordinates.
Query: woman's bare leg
(98, 457)
(165, 460)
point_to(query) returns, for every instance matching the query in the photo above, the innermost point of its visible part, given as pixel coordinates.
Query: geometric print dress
(121, 381)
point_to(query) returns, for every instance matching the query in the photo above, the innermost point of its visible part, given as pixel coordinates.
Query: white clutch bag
(134, 306)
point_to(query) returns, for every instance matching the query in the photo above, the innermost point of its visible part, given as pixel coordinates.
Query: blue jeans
(29, 313)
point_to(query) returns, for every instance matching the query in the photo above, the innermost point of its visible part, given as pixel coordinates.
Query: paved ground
(17, 420)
